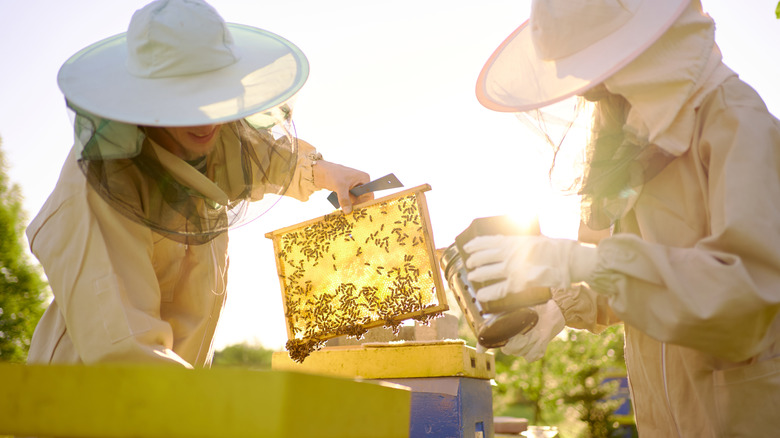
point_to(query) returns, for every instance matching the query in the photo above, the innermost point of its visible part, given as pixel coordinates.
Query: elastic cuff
(302, 184)
(579, 307)
(314, 157)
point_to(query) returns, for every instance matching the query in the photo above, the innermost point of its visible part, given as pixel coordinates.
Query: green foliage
(777, 10)
(22, 288)
(243, 355)
(567, 380)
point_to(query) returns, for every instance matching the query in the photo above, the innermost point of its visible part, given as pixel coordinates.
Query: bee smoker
(496, 321)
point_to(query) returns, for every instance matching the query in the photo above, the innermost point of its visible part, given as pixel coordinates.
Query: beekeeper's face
(188, 142)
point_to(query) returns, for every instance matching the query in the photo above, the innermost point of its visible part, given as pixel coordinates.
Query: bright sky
(391, 89)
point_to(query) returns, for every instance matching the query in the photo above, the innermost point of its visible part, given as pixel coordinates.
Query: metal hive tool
(343, 274)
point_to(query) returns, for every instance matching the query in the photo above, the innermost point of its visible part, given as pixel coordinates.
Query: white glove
(533, 344)
(517, 263)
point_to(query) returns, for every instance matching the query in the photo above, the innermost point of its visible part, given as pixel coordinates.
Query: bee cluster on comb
(343, 274)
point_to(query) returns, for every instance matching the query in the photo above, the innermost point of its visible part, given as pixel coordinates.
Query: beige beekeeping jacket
(123, 293)
(693, 269)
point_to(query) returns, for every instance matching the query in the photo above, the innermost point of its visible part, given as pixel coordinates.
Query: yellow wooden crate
(343, 274)
(394, 360)
(154, 401)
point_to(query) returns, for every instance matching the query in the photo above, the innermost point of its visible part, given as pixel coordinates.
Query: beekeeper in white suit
(182, 130)
(684, 166)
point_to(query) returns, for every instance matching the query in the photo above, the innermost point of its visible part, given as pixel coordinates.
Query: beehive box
(134, 400)
(343, 274)
(394, 360)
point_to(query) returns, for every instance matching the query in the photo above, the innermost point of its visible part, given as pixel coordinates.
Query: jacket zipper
(220, 289)
(666, 389)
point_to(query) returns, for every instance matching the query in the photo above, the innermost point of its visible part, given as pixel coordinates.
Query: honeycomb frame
(344, 274)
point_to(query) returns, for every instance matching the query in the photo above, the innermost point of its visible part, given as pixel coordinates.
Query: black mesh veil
(596, 155)
(620, 161)
(248, 169)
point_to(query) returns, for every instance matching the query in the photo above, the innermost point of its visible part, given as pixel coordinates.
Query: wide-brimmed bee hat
(569, 46)
(180, 64)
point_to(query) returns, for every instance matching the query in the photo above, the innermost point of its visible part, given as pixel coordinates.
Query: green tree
(567, 382)
(23, 291)
(583, 360)
(243, 355)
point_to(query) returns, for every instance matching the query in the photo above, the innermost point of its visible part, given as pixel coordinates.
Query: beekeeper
(182, 130)
(683, 165)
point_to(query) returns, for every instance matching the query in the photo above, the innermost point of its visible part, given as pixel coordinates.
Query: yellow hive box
(154, 401)
(343, 274)
(394, 360)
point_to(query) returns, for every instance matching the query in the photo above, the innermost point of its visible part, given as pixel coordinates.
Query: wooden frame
(343, 274)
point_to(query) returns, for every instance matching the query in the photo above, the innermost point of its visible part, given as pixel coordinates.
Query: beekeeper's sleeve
(721, 293)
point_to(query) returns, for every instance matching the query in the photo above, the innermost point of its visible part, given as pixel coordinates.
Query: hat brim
(516, 79)
(269, 72)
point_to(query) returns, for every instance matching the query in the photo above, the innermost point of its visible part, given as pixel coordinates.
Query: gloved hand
(517, 263)
(533, 344)
(341, 179)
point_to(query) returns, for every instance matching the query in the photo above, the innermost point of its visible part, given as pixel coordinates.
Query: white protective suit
(122, 292)
(693, 267)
